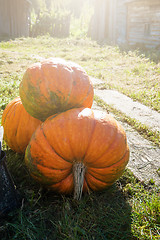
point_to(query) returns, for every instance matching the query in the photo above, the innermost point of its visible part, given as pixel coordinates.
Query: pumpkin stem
(78, 175)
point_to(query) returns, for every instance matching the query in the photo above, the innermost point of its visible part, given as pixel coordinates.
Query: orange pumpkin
(55, 85)
(18, 125)
(78, 149)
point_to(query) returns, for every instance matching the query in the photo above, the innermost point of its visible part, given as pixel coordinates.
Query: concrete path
(144, 156)
(131, 108)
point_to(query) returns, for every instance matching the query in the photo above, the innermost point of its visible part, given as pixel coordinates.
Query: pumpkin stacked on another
(54, 86)
(80, 149)
(76, 149)
(48, 87)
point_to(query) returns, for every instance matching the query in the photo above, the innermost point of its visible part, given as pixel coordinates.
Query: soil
(144, 156)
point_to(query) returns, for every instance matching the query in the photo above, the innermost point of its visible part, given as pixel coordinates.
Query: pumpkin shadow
(113, 213)
(98, 215)
(110, 213)
(141, 50)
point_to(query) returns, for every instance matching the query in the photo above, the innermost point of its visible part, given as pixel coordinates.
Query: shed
(14, 18)
(143, 25)
(127, 22)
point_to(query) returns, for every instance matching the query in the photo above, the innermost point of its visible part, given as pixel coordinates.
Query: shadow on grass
(152, 54)
(46, 215)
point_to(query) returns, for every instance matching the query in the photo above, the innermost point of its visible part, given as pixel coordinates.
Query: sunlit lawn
(129, 209)
(130, 72)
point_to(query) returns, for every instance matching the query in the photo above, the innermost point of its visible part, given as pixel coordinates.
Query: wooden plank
(4, 21)
(121, 20)
(113, 21)
(102, 23)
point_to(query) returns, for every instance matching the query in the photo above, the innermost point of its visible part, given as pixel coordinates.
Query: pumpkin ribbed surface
(18, 125)
(82, 136)
(55, 85)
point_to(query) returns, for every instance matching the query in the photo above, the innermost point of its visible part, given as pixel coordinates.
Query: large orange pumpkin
(79, 148)
(55, 85)
(18, 125)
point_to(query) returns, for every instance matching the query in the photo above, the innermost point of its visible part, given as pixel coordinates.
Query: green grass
(127, 210)
(130, 72)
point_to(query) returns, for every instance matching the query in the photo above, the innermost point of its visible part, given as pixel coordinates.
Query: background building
(126, 22)
(14, 18)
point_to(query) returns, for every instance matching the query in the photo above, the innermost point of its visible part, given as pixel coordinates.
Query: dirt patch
(144, 156)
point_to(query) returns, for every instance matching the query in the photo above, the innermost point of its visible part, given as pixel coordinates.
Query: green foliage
(57, 17)
(55, 24)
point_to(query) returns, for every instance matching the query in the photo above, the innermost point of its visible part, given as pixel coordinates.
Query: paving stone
(144, 156)
(131, 108)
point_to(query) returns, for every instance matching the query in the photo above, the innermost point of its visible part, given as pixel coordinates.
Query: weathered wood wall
(14, 18)
(144, 23)
(127, 21)
(109, 21)
(103, 23)
(98, 29)
(121, 23)
(112, 20)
